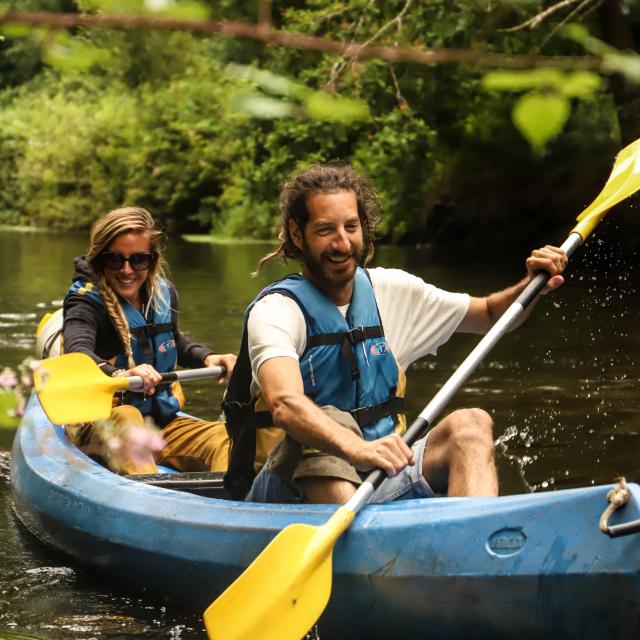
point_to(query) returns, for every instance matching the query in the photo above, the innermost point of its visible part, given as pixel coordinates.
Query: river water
(563, 391)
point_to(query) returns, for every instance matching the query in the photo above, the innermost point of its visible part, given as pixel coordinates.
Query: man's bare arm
(283, 391)
(483, 312)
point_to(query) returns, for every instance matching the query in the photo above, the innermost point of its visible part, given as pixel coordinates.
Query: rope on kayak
(617, 497)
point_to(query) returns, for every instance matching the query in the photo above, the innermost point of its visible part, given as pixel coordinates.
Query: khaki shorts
(291, 461)
(288, 463)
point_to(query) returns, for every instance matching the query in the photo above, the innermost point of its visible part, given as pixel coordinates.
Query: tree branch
(338, 67)
(584, 8)
(533, 22)
(412, 55)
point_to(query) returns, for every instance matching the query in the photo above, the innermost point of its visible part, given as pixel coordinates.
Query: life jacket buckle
(355, 335)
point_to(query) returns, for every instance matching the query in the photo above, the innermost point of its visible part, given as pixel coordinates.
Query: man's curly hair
(329, 178)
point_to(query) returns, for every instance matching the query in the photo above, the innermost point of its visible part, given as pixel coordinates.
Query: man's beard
(327, 280)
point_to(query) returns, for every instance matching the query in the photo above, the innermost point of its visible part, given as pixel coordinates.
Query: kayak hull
(535, 565)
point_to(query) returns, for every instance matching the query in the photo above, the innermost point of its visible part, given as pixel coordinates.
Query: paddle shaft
(135, 383)
(468, 365)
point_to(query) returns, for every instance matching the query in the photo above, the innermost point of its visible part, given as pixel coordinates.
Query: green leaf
(323, 106)
(577, 33)
(522, 80)
(8, 402)
(16, 30)
(189, 10)
(70, 54)
(540, 117)
(626, 64)
(266, 80)
(580, 84)
(260, 106)
(115, 7)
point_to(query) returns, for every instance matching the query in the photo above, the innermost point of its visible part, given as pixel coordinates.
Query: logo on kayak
(378, 348)
(167, 345)
(506, 542)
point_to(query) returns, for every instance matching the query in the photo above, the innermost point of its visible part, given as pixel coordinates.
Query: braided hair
(103, 233)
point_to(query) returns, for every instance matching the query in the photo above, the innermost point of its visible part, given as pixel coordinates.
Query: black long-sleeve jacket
(88, 328)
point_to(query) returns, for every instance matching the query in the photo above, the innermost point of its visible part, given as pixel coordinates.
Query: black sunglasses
(138, 261)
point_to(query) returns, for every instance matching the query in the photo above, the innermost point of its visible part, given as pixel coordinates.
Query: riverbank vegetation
(202, 130)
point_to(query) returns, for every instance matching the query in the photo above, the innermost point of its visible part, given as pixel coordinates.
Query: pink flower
(140, 442)
(8, 379)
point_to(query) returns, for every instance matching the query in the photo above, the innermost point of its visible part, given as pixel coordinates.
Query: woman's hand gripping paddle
(73, 389)
(283, 592)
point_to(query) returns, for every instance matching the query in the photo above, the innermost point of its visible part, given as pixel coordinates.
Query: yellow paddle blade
(623, 182)
(283, 592)
(72, 389)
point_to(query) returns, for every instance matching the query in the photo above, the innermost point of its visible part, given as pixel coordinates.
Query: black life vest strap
(365, 416)
(241, 416)
(151, 329)
(148, 331)
(347, 341)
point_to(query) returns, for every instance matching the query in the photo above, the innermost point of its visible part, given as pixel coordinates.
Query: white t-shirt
(417, 318)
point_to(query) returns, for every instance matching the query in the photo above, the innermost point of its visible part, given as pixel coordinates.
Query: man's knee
(470, 427)
(326, 490)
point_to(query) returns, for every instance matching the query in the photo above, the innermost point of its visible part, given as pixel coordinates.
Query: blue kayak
(524, 566)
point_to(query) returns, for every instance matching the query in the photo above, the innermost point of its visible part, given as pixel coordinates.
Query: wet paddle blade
(623, 182)
(72, 389)
(283, 592)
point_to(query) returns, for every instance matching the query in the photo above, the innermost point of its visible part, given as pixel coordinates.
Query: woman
(123, 313)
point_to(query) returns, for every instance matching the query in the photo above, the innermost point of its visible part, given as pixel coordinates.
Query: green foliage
(541, 117)
(541, 114)
(8, 405)
(203, 130)
(626, 63)
(301, 102)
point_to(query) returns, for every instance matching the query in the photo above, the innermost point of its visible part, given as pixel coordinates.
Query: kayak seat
(203, 483)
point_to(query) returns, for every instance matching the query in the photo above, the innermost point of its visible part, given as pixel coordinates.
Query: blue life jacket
(152, 342)
(346, 363)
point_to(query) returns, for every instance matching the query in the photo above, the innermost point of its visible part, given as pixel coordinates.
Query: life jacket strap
(365, 416)
(347, 341)
(144, 334)
(240, 416)
(353, 336)
(152, 329)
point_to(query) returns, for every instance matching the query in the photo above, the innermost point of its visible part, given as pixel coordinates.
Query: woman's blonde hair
(103, 233)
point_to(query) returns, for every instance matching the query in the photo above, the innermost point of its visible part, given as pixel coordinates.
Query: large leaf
(261, 106)
(577, 84)
(540, 117)
(265, 79)
(580, 84)
(323, 106)
(522, 80)
(626, 63)
(67, 53)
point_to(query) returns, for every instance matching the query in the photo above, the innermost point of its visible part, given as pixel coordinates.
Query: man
(324, 355)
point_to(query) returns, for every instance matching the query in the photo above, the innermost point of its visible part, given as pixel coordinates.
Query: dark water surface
(563, 391)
